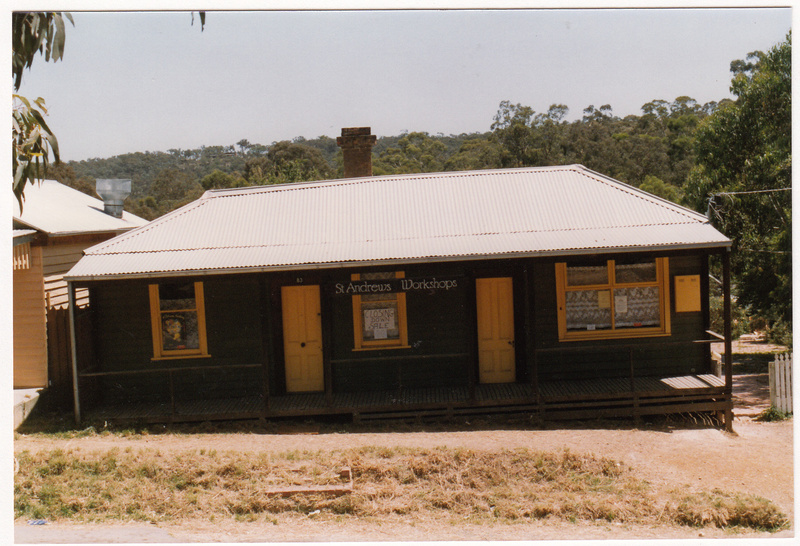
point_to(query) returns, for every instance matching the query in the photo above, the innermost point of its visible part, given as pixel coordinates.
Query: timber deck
(555, 400)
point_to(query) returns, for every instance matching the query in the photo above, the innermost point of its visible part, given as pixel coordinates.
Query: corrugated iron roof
(402, 218)
(22, 236)
(56, 209)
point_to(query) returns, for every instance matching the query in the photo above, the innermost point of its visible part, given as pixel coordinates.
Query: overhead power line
(750, 191)
(712, 206)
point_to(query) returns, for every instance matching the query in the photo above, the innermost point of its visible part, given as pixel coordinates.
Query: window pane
(588, 310)
(636, 272)
(176, 296)
(586, 275)
(179, 331)
(635, 307)
(380, 320)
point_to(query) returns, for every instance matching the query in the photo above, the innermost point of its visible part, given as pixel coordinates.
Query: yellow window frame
(159, 353)
(662, 282)
(359, 343)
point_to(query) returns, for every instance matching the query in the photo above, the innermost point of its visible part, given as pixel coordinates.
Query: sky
(153, 81)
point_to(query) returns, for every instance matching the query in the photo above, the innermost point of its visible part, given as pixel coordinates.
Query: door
(302, 338)
(496, 356)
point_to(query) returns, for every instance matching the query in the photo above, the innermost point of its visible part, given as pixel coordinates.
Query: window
(613, 299)
(379, 315)
(177, 316)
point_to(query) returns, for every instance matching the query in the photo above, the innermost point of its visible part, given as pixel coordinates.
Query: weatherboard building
(555, 291)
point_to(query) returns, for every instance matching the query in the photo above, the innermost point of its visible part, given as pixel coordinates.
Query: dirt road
(756, 459)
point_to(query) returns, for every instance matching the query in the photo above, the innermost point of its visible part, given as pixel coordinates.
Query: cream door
(302, 338)
(496, 356)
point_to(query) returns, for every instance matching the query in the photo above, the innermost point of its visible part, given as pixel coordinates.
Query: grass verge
(455, 484)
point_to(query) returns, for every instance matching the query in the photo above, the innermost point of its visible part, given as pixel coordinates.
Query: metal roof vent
(113, 192)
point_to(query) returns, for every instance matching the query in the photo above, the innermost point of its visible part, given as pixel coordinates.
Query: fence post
(780, 383)
(726, 311)
(76, 397)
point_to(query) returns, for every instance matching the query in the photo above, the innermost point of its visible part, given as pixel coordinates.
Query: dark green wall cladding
(121, 321)
(243, 316)
(233, 319)
(123, 342)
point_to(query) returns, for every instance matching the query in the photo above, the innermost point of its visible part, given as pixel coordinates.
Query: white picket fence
(780, 383)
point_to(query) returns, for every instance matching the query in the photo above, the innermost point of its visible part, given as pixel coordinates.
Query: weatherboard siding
(57, 260)
(30, 330)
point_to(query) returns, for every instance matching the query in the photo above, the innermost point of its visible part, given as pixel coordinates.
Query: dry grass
(459, 484)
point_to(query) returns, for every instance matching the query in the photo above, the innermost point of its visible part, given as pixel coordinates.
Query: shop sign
(431, 284)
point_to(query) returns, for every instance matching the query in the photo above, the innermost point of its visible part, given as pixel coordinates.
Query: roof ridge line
(335, 182)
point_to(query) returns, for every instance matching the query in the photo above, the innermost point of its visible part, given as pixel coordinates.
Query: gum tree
(33, 34)
(743, 179)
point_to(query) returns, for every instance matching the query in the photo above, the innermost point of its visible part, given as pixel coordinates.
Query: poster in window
(380, 320)
(179, 331)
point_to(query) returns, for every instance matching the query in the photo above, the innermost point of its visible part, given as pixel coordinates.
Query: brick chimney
(356, 144)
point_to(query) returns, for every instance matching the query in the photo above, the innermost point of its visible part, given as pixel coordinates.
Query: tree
(173, 188)
(244, 145)
(512, 130)
(416, 152)
(476, 153)
(658, 187)
(218, 179)
(747, 67)
(598, 141)
(66, 175)
(146, 208)
(33, 34)
(655, 109)
(287, 162)
(592, 114)
(743, 177)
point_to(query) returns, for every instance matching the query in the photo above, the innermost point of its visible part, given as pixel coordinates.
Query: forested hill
(653, 150)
